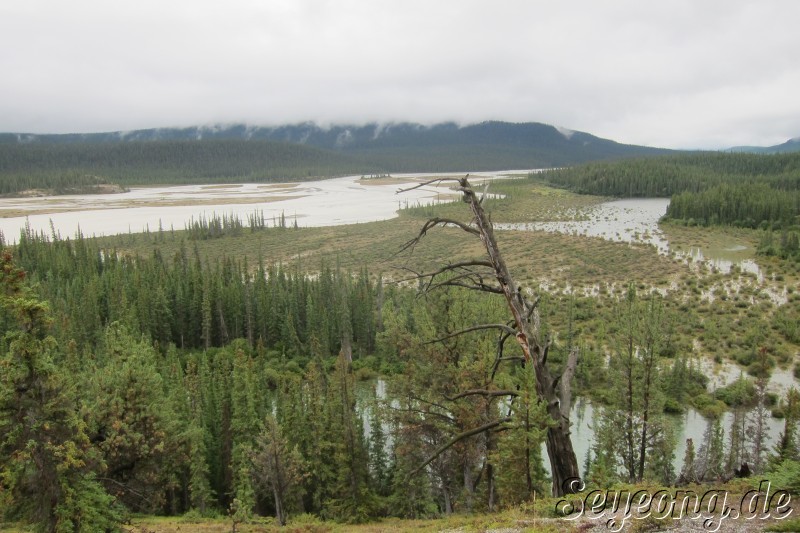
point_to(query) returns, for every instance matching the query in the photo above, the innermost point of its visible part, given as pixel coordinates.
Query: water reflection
(690, 425)
(724, 260)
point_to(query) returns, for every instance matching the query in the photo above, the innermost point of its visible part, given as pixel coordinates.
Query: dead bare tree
(492, 275)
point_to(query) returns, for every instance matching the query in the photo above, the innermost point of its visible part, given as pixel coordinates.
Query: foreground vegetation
(158, 371)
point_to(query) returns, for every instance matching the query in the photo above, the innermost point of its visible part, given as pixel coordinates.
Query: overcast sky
(677, 73)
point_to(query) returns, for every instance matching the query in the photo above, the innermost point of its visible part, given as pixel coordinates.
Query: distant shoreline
(100, 188)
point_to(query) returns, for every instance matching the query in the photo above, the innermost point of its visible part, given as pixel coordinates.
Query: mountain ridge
(387, 147)
(792, 145)
(344, 135)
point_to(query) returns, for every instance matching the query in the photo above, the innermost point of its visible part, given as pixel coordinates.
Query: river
(329, 202)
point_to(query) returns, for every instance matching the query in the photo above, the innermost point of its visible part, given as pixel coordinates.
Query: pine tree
(200, 492)
(520, 470)
(378, 460)
(607, 447)
(131, 422)
(47, 468)
(637, 416)
(244, 426)
(787, 446)
(756, 432)
(710, 457)
(411, 495)
(351, 498)
(279, 467)
(688, 473)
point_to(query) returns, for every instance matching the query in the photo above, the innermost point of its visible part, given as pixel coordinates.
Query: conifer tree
(711, 456)
(688, 473)
(200, 492)
(378, 460)
(47, 474)
(279, 467)
(351, 498)
(518, 454)
(244, 427)
(756, 433)
(787, 446)
(131, 422)
(412, 495)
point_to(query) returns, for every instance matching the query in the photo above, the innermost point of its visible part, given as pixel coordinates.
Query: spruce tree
(47, 468)
(132, 422)
(279, 467)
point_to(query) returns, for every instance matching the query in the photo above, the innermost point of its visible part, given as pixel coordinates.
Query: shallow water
(327, 202)
(316, 203)
(690, 425)
(635, 220)
(628, 220)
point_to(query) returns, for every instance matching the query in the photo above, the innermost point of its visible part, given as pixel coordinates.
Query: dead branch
(481, 287)
(546, 351)
(429, 182)
(432, 223)
(458, 438)
(501, 342)
(479, 327)
(443, 416)
(462, 265)
(481, 392)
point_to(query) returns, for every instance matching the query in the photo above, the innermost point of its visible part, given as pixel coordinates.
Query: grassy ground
(538, 518)
(534, 256)
(506, 522)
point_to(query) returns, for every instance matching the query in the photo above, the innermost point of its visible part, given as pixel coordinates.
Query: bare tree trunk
(280, 513)
(563, 462)
(553, 391)
(469, 485)
(448, 504)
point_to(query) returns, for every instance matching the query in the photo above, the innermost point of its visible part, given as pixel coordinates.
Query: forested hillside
(241, 153)
(53, 165)
(230, 385)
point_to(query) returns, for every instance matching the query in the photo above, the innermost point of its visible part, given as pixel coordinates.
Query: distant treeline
(669, 175)
(730, 189)
(54, 165)
(68, 182)
(748, 205)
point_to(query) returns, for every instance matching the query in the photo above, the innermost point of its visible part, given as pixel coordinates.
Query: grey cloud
(679, 74)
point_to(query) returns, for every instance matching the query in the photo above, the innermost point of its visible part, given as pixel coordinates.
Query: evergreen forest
(161, 379)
